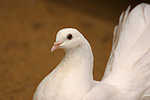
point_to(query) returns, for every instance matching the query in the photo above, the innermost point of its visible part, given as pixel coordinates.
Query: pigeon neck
(81, 58)
(76, 70)
(79, 64)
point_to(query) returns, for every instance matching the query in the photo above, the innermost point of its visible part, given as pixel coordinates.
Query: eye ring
(69, 37)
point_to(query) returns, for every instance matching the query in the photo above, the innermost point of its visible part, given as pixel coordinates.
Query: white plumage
(127, 75)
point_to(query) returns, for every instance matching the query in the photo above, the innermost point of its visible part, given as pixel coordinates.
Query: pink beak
(56, 46)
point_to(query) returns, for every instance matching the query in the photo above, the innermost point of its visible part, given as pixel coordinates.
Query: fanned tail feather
(116, 34)
(129, 64)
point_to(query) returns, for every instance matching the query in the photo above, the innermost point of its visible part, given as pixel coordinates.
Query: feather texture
(128, 67)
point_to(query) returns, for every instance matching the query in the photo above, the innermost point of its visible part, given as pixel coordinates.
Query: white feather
(128, 68)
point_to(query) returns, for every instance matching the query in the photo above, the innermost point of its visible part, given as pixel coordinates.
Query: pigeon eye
(69, 36)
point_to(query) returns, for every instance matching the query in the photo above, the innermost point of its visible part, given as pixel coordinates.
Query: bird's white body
(127, 75)
(70, 76)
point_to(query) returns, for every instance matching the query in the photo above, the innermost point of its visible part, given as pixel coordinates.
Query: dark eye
(69, 36)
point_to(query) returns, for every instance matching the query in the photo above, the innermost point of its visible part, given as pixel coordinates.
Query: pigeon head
(69, 39)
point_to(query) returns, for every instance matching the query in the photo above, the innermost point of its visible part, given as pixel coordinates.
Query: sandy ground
(27, 32)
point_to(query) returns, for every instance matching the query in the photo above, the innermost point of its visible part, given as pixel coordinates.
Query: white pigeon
(127, 75)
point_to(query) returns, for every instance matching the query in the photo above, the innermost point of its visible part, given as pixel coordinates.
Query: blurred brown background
(28, 29)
